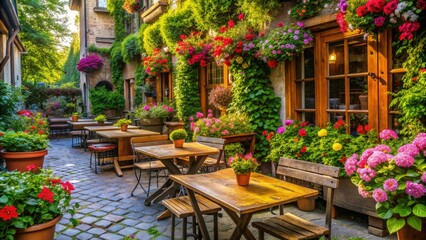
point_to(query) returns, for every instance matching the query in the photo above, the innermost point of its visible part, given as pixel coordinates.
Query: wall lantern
(332, 58)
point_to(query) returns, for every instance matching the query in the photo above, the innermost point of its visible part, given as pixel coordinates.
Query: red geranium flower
(222, 29)
(302, 132)
(8, 212)
(367, 128)
(249, 36)
(280, 24)
(31, 167)
(343, 159)
(270, 135)
(67, 186)
(360, 129)
(303, 124)
(264, 133)
(272, 63)
(55, 181)
(361, 11)
(241, 16)
(303, 150)
(46, 195)
(421, 4)
(231, 23)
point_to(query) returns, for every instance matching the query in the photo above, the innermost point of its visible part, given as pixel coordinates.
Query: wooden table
(82, 125)
(196, 152)
(107, 128)
(240, 203)
(123, 144)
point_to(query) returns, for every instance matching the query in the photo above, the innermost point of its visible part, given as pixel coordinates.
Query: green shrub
(9, 103)
(233, 149)
(102, 100)
(122, 122)
(178, 134)
(130, 48)
(101, 118)
(23, 142)
(212, 14)
(152, 37)
(117, 64)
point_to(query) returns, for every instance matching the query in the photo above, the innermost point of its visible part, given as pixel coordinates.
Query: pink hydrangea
(281, 130)
(380, 195)
(196, 129)
(404, 160)
(390, 184)
(376, 158)
(225, 132)
(364, 157)
(416, 190)
(420, 141)
(423, 177)
(383, 148)
(350, 164)
(288, 122)
(199, 115)
(192, 125)
(147, 107)
(362, 192)
(366, 174)
(209, 115)
(409, 149)
(387, 134)
(191, 118)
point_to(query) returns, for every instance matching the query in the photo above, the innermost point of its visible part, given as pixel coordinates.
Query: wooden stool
(101, 150)
(181, 207)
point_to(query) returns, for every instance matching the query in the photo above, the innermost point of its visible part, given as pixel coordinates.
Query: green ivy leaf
(19, 224)
(32, 202)
(395, 224)
(4, 199)
(415, 222)
(419, 210)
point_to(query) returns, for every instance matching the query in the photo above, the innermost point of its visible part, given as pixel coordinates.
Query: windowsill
(100, 10)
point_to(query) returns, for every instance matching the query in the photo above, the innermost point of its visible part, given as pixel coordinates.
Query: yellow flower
(245, 65)
(337, 146)
(322, 133)
(239, 60)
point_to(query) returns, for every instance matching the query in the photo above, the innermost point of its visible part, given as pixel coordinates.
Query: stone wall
(99, 24)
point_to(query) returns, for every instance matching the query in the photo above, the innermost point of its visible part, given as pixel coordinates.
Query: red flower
(423, 70)
(33, 127)
(270, 135)
(390, 7)
(340, 19)
(421, 4)
(241, 16)
(375, 5)
(67, 186)
(303, 124)
(360, 129)
(46, 195)
(415, 79)
(55, 181)
(361, 11)
(8, 212)
(182, 36)
(41, 122)
(298, 154)
(231, 23)
(302, 132)
(31, 167)
(264, 133)
(367, 128)
(249, 36)
(280, 24)
(272, 63)
(222, 29)
(303, 150)
(339, 123)
(343, 159)
(40, 132)
(261, 34)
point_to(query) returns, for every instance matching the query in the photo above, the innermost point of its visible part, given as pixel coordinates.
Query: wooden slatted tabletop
(126, 134)
(169, 151)
(107, 128)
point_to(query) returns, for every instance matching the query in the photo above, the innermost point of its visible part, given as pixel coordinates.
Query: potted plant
(243, 165)
(123, 123)
(220, 97)
(21, 149)
(100, 119)
(32, 203)
(74, 117)
(394, 176)
(178, 136)
(151, 116)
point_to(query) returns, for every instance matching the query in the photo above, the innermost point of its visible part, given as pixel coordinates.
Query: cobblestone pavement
(107, 211)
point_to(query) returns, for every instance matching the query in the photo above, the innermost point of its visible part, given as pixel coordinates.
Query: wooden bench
(289, 226)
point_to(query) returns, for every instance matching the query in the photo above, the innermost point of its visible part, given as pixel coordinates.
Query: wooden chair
(289, 226)
(213, 162)
(181, 207)
(144, 163)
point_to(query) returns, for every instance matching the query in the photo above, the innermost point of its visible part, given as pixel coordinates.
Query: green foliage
(140, 36)
(243, 163)
(187, 96)
(176, 22)
(178, 134)
(100, 118)
(153, 232)
(140, 76)
(122, 122)
(102, 100)
(116, 10)
(307, 8)
(233, 149)
(152, 37)
(259, 12)
(130, 48)
(71, 74)
(43, 28)
(93, 49)
(117, 65)
(23, 142)
(253, 95)
(10, 100)
(212, 14)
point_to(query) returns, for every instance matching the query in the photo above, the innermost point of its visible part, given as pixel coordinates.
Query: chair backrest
(148, 141)
(213, 142)
(315, 173)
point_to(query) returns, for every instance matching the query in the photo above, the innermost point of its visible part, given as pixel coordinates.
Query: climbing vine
(130, 48)
(259, 12)
(152, 38)
(93, 49)
(140, 76)
(212, 14)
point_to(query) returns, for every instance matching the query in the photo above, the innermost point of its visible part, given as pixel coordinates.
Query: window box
(154, 12)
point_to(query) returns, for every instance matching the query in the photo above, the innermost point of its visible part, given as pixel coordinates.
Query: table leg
(117, 167)
(242, 223)
(198, 215)
(197, 164)
(159, 192)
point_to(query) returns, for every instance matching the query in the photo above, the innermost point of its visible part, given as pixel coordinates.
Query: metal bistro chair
(143, 163)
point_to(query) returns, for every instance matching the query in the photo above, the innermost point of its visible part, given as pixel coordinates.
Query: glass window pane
(358, 93)
(336, 94)
(357, 55)
(306, 94)
(357, 120)
(308, 62)
(299, 67)
(102, 3)
(309, 116)
(333, 117)
(214, 74)
(336, 58)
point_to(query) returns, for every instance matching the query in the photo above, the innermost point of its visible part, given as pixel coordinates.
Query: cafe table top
(262, 192)
(126, 134)
(169, 151)
(87, 123)
(107, 128)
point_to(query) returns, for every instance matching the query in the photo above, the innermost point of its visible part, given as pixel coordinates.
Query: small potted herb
(74, 117)
(123, 123)
(178, 136)
(243, 165)
(101, 119)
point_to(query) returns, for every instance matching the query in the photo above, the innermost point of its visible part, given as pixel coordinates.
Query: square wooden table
(239, 202)
(107, 128)
(123, 144)
(81, 125)
(196, 152)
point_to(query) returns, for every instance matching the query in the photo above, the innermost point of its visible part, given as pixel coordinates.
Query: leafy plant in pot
(74, 117)
(123, 123)
(101, 119)
(21, 149)
(154, 115)
(243, 165)
(31, 203)
(178, 136)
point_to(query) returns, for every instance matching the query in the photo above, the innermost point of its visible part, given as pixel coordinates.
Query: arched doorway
(108, 86)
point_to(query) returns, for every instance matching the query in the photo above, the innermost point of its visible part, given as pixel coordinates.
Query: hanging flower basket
(90, 63)
(156, 63)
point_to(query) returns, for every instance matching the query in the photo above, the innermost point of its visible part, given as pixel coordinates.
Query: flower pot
(178, 143)
(20, 160)
(243, 179)
(43, 231)
(409, 233)
(74, 118)
(101, 122)
(124, 128)
(306, 204)
(152, 124)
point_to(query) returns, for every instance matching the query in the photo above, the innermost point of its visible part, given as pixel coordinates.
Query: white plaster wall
(277, 78)
(17, 65)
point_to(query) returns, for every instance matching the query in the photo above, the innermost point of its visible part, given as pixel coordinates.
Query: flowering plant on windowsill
(132, 6)
(243, 163)
(284, 43)
(156, 63)
(90, 63)
(395, 177)
(375, 16)
(29, 198)
(308, 8)
(194, 49)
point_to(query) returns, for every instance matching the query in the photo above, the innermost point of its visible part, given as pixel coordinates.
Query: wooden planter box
(154, 12)
(251, 137)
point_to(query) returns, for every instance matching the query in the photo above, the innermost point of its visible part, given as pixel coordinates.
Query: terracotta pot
(20, 160)
(44, 231)
(101, 122)
(124, 127)
(178, 143)
(243, 179)
(306, 204)
(409, 233)
(74, 118)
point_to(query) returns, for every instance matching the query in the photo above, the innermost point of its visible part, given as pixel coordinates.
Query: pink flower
(388, 134)
(383, 148)
(415, 189)
(241, 16)
(362, 192)
(379, 21)
(210, 111)
(366, 174)
(191, 118)
(230, 160)
(209, 115)
(199, 115)
(423, 177)
(376, 158)
(288, 122)
(390, 184)
(300, 24)
(364, 157)
(409, 149)
(192, 125)
(225, 132)
(390, 7)
(281, 130)
(302, 132)
(404, 160)
(350, 164)
(147, 107)
(420, 142)
(196, 129)
(380, 195)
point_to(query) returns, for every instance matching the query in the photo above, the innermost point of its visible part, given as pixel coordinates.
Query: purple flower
(199, 115)
(296, 32)
(362, 192)
(90, 63)
(295, 37)
(271, 46)
(288, 122)
(305, 35)
(300, 24)
(416, 190)
(287, 45)
(383, 148)
(380, 195)
(291, 46)
(279, 52)
(388, 134)
(409, 149)
(390, 184)
(420, 141)
(350, 164)
(404, 160)
(423, 177)
(290, 30)
(366, 174)
(305, 41)
(147, 107)
(281, 130)
(282, 46)
(274, 52)
(376, 158)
